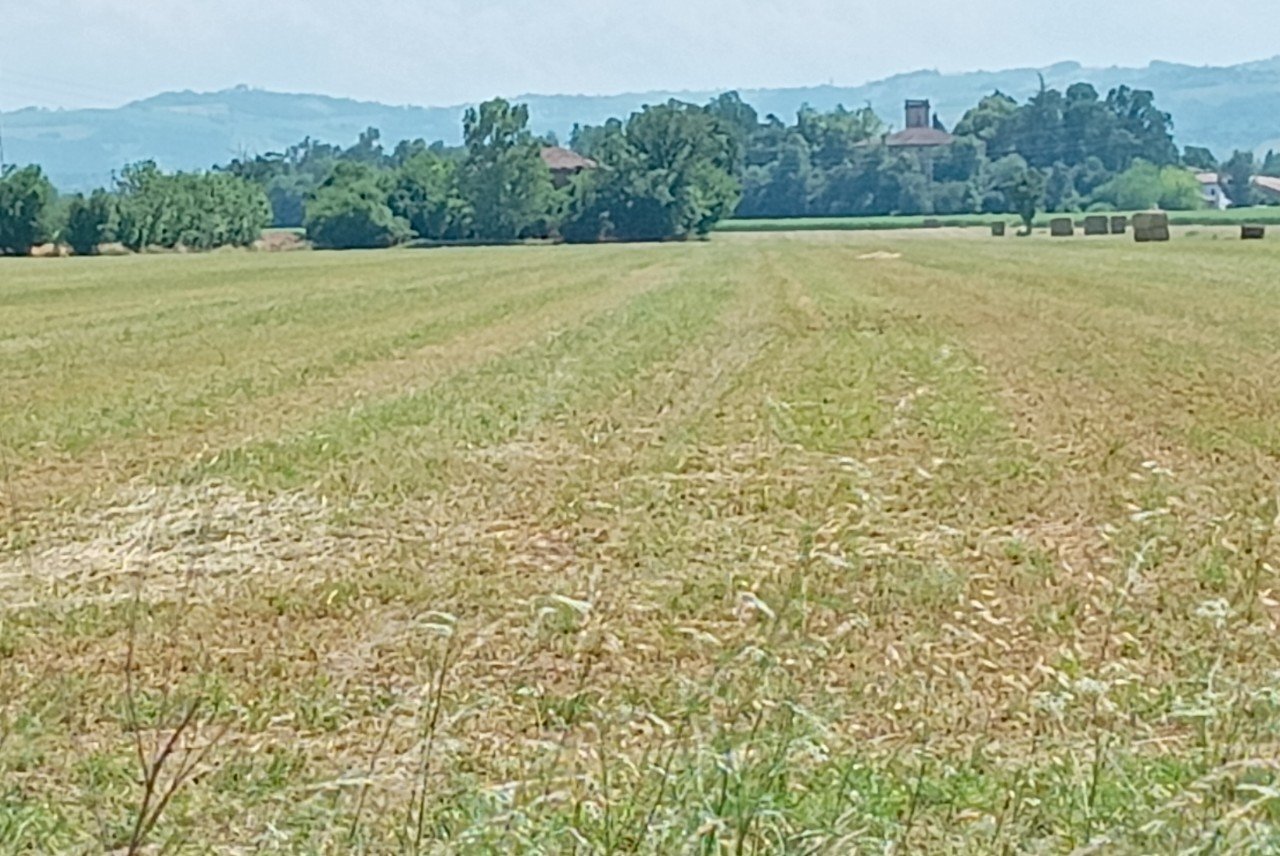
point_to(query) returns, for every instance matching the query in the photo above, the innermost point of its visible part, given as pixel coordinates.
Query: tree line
(147, 208)
(1059, 151)
(670, 171)
(674, 170)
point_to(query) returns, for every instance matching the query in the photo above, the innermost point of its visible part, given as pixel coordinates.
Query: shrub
(353, 217)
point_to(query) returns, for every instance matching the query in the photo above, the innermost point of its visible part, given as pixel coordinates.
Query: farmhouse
(1267, 187)
(924, 133)
(1215, 196)
(565, 164)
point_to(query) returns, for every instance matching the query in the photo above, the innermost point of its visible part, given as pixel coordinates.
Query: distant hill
(1222, 108)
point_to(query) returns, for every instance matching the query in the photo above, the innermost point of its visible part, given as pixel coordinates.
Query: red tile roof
(920, 138)
(1267, 183)
(562, 160)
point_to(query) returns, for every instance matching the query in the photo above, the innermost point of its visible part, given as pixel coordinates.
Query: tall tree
(1035, 131)
(1237, 175)
(426, 195)
(1197, 157)
(667, 174)
(781, 188)
(984, 121)
(368, 148)
(1271, 165)
(1086, 124)
(503, 177)
(90, 222)
(26, 197)
(1144, 131)
(737, 116)
(834, 137)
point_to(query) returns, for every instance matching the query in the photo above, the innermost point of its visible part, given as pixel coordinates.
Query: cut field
(781, 543)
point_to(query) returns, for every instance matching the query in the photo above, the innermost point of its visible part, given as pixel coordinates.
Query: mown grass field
(1259, 215)
(786, 543)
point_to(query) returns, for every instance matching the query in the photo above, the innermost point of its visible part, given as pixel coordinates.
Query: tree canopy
(25, 215)
(667, 173)
(838, 164)
(351, 211)
(506, 185)
(198, 211)
(1145, 185)
(91, 222)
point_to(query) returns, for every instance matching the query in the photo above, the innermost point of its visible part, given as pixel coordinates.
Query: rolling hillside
(1223, 108)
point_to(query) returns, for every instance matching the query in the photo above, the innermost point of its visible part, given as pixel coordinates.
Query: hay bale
(1097, 225)
(1119, 224)
(1151, 226)
(997, 230)
(1253, 233)
(1062, 227)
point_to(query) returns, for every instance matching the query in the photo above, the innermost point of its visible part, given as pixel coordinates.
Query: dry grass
(775, 544)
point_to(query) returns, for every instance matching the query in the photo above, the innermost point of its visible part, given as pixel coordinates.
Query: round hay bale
(1253, 233)
(1119, 224)
(997, 230)
(1062, 227)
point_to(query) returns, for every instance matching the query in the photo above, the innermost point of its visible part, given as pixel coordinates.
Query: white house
(1214, 194)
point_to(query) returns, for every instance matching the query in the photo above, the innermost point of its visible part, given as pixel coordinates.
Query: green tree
(503, 177)
(1145, 185)
(1087, 124)
(1060, 192)
(984, 122)
(1024, 189)
(426, 196)
(834, 137)
(855, 187)
(198, 211)
(146, 206)
(1142, 130)
(291, 176)
(961, 161)
(90, 222)
(781, 188)
(350, 210)
(1036, 131)
(26, 197)
(590, 140)
(1199, 158)
(1271, 165)
(1179, 190)
(667, 174)
(368, 149)
(1237, 175)
(737, 116)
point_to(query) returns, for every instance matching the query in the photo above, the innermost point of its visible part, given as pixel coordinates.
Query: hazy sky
(73, 53)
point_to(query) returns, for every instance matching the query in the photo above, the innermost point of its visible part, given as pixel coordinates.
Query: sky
(99, 53)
